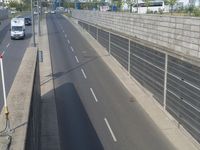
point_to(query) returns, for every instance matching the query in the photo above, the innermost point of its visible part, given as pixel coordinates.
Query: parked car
(28, 21)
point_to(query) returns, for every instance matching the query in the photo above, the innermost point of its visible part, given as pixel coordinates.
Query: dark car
(28, 21)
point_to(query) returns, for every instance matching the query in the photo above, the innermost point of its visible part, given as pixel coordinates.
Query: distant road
(95, 111)
(14, 53)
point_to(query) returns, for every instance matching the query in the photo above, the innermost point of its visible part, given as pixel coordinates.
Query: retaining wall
(179, 34)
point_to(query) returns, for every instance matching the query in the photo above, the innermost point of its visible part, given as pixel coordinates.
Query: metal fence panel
(183, 94)
(93, 31)
(147, 66)
(103, 38)
(184, 70)
(119, 49)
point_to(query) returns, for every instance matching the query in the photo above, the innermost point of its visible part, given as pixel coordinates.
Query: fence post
(109, 43)
(165, 81)
(88, 28)
(129, 56)
(97, 33)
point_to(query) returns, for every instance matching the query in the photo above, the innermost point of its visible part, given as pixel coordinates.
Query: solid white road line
(77, 59)
(93, 95)
(72, 49)
(68, 41)
(8, 45)
(65, 35)
(83, 73)
(111, 132)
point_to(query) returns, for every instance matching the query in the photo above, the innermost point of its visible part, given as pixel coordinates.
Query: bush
(196, 12)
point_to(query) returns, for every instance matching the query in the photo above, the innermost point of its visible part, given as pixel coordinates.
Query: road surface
(94, 110)
(12, 59)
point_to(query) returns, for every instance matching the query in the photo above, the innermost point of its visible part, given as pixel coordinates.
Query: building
(186, 3)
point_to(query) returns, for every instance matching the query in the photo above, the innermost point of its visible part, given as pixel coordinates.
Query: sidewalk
(49, 139)
(176, 134)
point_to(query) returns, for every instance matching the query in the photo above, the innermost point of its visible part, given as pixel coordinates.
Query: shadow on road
(75, 128)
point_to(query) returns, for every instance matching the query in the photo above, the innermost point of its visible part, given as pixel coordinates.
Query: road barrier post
(165, 81)
(109, 43)
(33, 24)
(129, 56)
(6, 131)
(97, 34)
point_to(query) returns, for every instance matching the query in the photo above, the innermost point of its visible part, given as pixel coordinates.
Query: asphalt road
(94, 110)
(12, 58)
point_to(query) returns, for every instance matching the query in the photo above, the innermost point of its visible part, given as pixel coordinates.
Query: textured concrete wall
(180, 34)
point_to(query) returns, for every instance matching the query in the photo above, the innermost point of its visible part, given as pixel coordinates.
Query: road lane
(118, 120)
(75, 129)
(14, 52)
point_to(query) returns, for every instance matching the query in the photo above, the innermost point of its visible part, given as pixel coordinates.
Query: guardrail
(174, 80)
(24, 106)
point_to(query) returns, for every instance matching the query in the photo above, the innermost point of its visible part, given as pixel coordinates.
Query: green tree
(147, 3)
(13, 4)
(191, 9)
(196, 12)
(171, 3)
(130, 4)
(118, 3)
(19, 6)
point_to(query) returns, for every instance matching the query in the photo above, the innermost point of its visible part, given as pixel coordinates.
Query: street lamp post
(33, 23)
(39, 15)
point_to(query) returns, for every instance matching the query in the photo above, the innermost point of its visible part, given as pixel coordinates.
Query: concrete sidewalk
(173, 131)
(49, 139)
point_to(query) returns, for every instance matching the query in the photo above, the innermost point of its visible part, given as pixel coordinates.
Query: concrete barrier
(23, 95)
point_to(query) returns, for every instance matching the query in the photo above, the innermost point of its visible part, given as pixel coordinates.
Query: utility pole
(39, 13)
(33, 24)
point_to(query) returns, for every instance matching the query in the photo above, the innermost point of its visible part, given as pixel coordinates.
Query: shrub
(196, 12)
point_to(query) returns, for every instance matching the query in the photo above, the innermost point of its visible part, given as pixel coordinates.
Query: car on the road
(53, 12)
(28, 21)
(35, 13)
(17, 30)
(13, 11)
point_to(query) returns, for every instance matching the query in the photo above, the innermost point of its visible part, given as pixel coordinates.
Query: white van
(17, 28)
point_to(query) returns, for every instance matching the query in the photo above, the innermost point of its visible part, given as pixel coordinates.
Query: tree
(13, 4)
(147, 3)
(130, 4)
(19, 6)
(191, 9)
(171, 3)
(118, 3)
